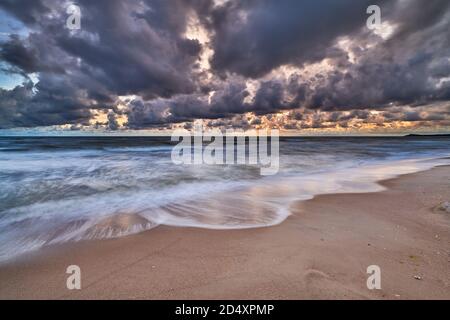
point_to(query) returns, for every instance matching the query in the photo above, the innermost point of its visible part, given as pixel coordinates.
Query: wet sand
(320, 252)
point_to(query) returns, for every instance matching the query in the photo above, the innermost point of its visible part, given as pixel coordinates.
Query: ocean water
(60, 189)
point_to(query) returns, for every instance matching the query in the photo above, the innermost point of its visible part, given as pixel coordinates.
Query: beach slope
(321, 251)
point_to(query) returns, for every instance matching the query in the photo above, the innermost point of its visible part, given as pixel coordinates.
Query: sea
(62, 189)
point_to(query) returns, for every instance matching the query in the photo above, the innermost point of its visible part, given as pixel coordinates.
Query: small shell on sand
(445, 206)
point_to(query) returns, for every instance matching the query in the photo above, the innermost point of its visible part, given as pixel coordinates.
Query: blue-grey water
(58, 189)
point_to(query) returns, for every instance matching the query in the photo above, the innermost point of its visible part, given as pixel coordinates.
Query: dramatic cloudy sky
(306, 66)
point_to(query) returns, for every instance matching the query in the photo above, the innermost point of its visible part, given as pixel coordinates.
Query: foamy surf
(99, 193)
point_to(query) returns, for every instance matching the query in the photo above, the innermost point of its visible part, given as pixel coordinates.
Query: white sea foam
(97, 194)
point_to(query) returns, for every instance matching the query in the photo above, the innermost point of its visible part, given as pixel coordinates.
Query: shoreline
(320, 251)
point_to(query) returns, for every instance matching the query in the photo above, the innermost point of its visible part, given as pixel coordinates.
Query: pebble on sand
(445, 206)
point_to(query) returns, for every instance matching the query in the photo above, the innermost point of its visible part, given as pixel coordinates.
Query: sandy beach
(320, 252)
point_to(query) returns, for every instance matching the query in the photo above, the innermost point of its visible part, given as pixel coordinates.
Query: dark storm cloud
(412, 16)
(131, 55)
(27, 11)
(16, 54)
(225, 102)
(22, 107)
(253, 37)
(139, 48)
(120, 50)
(406, 69)
(112, 121)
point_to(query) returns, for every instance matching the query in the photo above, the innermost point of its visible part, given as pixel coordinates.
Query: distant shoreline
(281, 136)
(428, 135)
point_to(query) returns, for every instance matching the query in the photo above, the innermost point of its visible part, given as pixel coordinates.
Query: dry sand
(320, 252)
